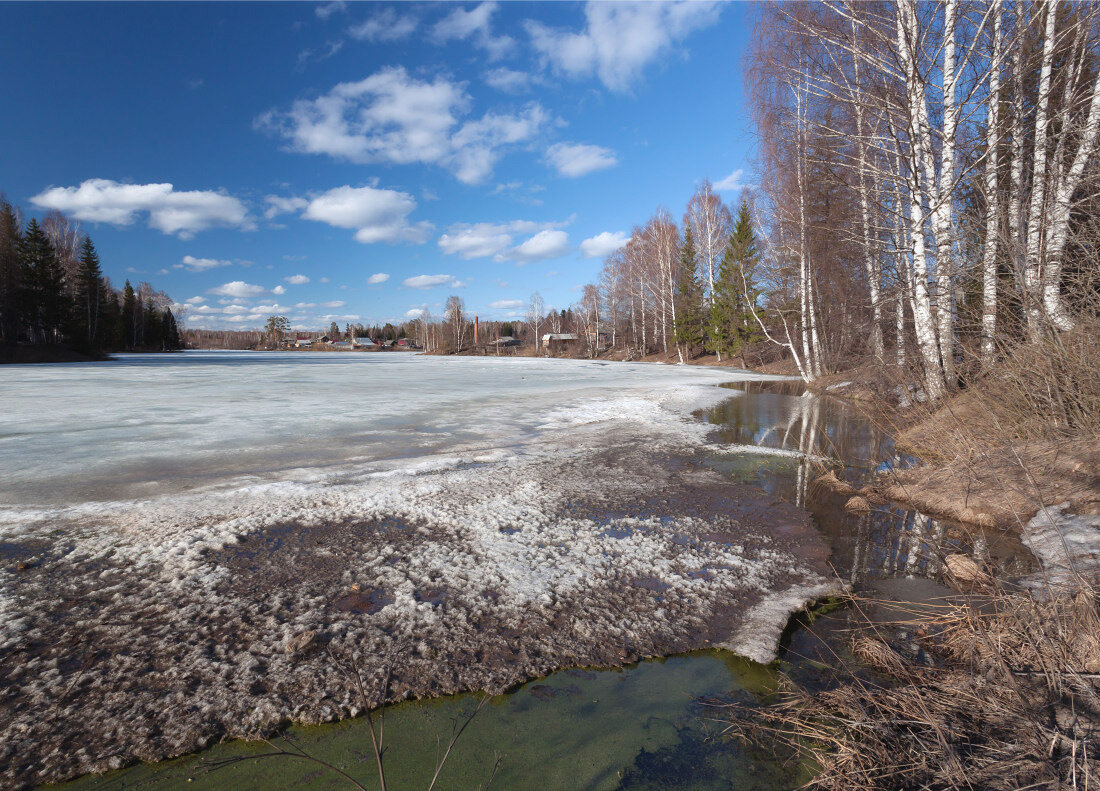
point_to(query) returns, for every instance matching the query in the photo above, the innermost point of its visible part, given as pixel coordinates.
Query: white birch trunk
(992, 200)
(1032, 265)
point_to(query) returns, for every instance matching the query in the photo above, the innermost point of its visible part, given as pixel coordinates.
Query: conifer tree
(11, 274)
(171, 331)
(689, 328)
(129, 316)
(89, 292)
(44, 300)
(730, 315)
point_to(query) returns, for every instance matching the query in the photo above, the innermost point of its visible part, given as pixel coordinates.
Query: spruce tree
(689, 329)
(11, 274)
(171, 332)
(44, 303)
(90, 290)
(129, 318)
(732, 324)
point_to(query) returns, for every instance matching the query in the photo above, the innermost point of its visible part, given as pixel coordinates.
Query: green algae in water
(635, 728)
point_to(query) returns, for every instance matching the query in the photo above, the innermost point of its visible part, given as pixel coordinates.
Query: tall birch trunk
(992, 200)
(1032, 265)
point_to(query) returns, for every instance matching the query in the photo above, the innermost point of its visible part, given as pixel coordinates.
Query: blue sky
(355, 162)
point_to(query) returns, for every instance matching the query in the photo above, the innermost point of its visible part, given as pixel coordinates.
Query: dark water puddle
(641, 727)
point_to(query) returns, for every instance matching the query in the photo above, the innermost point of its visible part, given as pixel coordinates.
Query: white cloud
(279, 290)
(577, 159)
(603, 244)
(325, 10)
(508, 80)
(195, 300)
(377, 215)
(301, 305)
(386, 25)
(476, 25)
(487, 240)
(170, 211)
(192, 264)
(277, 205)
(541, 246)
(296, 280)
(432, 281)
(336, 303)
(505, 304)
(378, 277)
(342, 317)
(237, 288)
(414, 313)
(620, 39)
(732, 181)
(392, 118)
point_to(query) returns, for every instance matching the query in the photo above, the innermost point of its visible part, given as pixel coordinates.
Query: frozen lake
(186, 538)
(150, 425)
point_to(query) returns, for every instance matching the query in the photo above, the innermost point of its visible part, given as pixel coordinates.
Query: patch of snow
(1067, 545)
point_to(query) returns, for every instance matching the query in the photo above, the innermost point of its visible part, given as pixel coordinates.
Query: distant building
(341, 345)
(506, 340)
(407, 343)
(363, 342)
(303, 340)
(555, 342)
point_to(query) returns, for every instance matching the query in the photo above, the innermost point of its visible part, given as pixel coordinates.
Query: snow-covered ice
(1066, 544)
(181, 519)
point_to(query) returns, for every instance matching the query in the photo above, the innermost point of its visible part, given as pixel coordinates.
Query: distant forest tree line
(53, 292)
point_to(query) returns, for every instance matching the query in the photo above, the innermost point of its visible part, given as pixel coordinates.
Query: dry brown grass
(1011, 701)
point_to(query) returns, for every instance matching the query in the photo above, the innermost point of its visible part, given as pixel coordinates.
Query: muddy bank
(129, 637)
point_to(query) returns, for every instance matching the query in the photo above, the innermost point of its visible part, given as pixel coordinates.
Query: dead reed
(1008, 697)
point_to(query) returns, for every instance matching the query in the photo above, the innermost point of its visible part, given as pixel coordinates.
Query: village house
(558, 342)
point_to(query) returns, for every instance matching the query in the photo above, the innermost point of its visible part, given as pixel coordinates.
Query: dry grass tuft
(1010, 701)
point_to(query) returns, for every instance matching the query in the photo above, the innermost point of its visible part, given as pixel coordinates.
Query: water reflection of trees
(887, 541)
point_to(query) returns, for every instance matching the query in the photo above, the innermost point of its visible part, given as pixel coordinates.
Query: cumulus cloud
(432, 281)
(378, 277)
(338, 317)
(732, 181)
(182, 213)
(509, 80)
(603, 244)
(486, 239)
(277, 205)
(386, 25)
(237, 288)
(506, 304)
(279, 290)
(192, 264)
(296, 280)
(475, 25)
(620, 39)
(195, 300)
(393, 118)
(377, 215)
(577, 159)
(414, 313)
(541, 246)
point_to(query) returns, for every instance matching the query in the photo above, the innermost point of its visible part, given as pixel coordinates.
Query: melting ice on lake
(181, 521)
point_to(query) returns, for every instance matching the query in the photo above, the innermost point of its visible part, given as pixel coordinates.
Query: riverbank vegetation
(57, 305)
